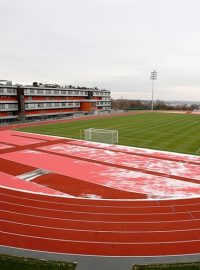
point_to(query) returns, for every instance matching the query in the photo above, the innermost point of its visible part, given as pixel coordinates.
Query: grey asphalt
(100, 262)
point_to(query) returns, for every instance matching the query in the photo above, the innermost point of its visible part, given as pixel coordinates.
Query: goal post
(101, 135)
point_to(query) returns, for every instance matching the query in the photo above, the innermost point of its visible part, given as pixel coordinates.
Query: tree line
(128, 104)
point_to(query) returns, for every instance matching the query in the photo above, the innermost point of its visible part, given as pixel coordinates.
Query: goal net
(101, 135)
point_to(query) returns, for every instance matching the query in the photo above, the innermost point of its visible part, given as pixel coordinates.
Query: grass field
(164, 131)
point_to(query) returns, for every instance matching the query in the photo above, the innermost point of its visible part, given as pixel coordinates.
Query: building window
(2, 106)
(12, 106)
(31, 106)
(10, 91)
(39, 91)
(48, 105)
(48, 92)
(56, 92)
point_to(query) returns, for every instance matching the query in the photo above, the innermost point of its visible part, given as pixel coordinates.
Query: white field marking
(105, 222)
(147, 141)
(95, 213)
(197, 151)
(97, 242)
(165, 133)
(79, 230)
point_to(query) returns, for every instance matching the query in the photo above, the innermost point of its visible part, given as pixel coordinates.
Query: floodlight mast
(153, 77)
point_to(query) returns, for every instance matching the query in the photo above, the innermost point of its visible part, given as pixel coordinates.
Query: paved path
(100, 262)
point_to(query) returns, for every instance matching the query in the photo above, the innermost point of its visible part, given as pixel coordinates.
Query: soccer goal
(101, 135)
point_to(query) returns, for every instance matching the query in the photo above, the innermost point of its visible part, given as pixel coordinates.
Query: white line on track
(102, 231)
(98, 213)
(104, 243)
(102, 222)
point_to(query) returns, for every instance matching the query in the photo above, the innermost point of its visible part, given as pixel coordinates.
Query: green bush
(22, 263)
(176, 266)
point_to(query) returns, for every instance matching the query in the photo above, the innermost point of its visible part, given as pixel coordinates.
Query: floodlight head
(154, 75)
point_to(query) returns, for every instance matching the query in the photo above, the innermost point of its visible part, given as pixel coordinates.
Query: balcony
(51, 92)
(8, 91)
(51, 105)
(8, 107)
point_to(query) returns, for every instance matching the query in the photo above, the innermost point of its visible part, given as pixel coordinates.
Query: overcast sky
(112, 44)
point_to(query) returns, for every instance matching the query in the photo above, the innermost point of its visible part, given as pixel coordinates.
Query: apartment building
(49, 101)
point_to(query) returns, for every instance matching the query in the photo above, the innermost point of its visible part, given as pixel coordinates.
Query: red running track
(99, 240)
(52, 213)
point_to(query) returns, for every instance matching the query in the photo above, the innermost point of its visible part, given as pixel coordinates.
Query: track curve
(38, 220)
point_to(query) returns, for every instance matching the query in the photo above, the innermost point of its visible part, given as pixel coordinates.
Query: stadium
(102, 205)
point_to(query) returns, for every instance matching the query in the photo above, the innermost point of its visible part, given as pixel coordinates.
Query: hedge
(176, 266)
(22, 263)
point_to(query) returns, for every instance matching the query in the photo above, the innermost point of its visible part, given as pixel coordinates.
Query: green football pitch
(164, 131)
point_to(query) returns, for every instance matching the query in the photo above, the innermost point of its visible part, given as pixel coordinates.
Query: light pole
(153, 77)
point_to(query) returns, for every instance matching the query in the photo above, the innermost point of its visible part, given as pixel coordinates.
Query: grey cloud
(113, 44)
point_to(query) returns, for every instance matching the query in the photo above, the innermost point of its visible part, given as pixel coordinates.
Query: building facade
(42, 102)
